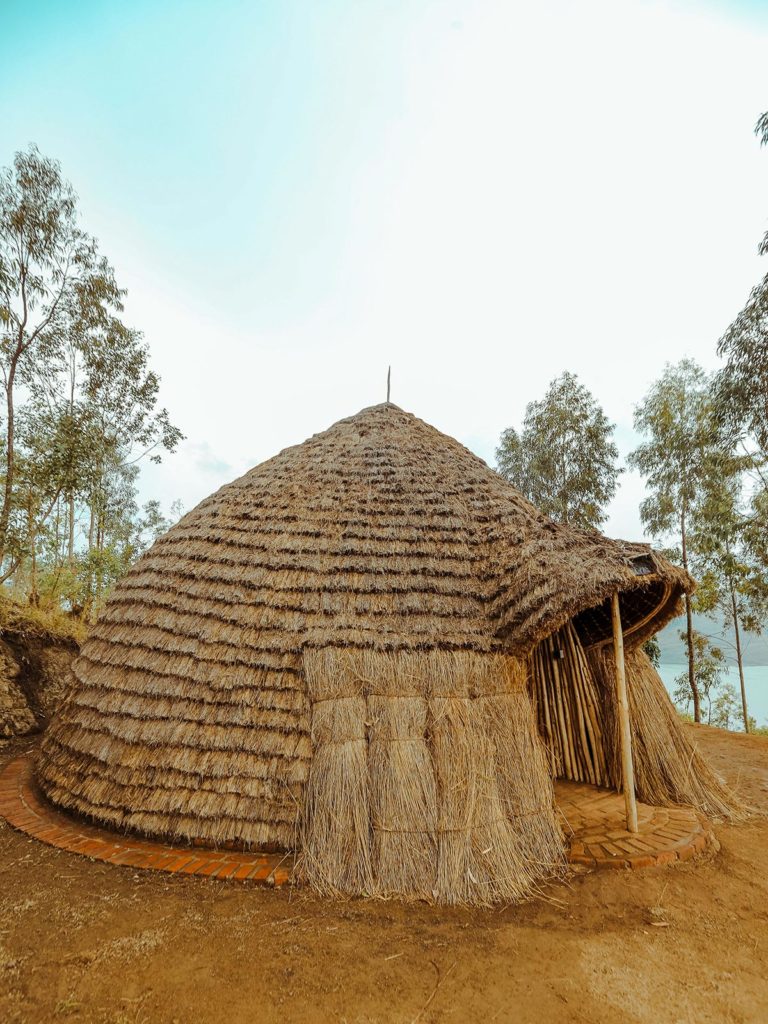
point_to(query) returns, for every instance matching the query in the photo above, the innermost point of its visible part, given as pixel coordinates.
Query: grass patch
(45, 624)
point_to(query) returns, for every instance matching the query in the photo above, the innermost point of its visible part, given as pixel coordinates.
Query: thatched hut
(373, 651)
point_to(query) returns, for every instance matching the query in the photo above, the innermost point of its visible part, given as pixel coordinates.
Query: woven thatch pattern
(428, 778)
(193, 712)
(222, 758)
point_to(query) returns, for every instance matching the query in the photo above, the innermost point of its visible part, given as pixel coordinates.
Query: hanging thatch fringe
(427, 778)
(668, 768)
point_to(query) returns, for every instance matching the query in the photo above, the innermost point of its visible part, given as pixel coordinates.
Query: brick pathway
(593, 819)
(599, 838)
(23, 807)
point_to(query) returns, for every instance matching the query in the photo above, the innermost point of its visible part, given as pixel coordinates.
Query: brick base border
(22, 805)
(600, 840)
(594, 817)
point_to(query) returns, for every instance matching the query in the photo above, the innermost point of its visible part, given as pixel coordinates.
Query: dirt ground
(82, 941)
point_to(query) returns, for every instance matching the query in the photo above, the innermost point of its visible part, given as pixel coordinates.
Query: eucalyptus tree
(564, 459)
(742, 391)
(37, 489)
(743, 382)
(732, 580)
(82, 400)
(741, 566)
(120, 395)
(53, 283)
(684, 453)
(710, 665)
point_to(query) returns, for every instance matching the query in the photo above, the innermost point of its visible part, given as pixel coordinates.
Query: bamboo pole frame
(625, 734)
(566, 699)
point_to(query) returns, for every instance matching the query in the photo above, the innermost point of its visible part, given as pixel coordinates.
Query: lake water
(755, 681)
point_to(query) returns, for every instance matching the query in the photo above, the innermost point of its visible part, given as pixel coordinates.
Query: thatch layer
(574, 694)
(380, 532)
(223, 760)
(427, 778)
(668, 768)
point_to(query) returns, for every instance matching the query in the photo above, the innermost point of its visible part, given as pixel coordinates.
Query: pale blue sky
(481, 193)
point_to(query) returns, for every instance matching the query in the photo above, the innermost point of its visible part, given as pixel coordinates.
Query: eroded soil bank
(82, 941)
(36, 652)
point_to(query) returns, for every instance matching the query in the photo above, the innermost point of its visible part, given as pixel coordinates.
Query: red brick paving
(593, 822)
(23, 807)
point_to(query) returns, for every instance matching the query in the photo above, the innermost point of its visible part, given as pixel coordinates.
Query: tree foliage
(652, 648)
(564, 459)
(742, 391)
(695, 475)
(685, 451)
(81, 399)
(710, 665)
(731, 578)
(734, 534)
(743, 381)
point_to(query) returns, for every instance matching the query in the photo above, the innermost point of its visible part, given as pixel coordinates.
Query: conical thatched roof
(192, 714)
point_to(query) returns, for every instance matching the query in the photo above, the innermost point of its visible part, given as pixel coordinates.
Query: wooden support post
(627, 770)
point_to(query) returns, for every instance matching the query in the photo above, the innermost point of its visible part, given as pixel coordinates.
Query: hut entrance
(575, 716)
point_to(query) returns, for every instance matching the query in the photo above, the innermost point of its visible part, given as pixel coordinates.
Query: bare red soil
(88, 942)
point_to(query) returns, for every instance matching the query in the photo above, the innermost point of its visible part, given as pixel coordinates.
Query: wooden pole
(627, 770)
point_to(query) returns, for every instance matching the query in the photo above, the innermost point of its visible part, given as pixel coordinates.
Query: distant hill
(755, 648)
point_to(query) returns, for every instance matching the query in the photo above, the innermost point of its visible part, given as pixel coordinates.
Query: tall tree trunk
(5, 514)
(90, 591)
(739, 657)
(71, 535)
(689, 630)
(71, 502)
(99, 548)
(91, 525)
(57, 542)
(34, 597)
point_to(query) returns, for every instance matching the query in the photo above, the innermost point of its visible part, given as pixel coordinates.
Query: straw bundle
(668, 768)
(449, 800)
(403, 794)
